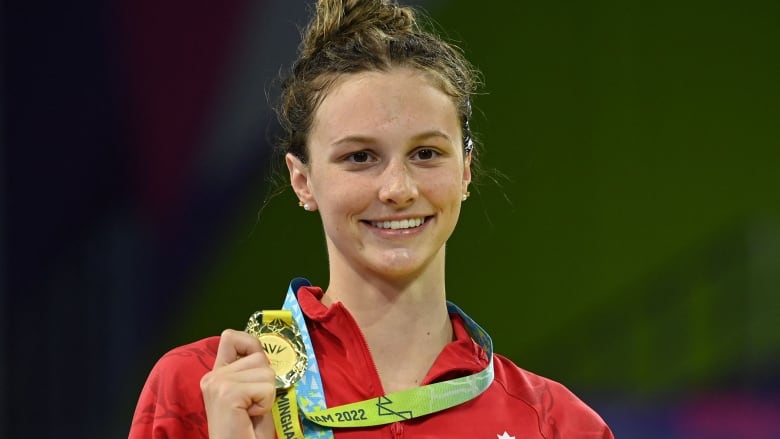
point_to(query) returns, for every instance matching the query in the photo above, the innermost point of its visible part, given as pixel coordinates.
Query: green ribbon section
(415, 402)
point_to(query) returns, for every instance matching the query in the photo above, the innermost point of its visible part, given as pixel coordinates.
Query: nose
(398, 186)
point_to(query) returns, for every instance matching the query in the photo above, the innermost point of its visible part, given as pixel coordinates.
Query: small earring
(466, 195)
(304, 205)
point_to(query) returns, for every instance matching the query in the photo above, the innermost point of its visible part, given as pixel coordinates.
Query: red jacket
(518, 404)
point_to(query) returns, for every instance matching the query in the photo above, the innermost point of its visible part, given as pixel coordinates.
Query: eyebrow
(368, 139)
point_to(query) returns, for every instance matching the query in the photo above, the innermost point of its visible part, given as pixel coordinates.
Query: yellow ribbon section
(285, 408)
(277, 314)
(285, 412)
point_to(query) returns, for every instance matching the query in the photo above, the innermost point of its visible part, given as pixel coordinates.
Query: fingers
(239, 391)
(227, 395)
(254, 368)
(234, 345)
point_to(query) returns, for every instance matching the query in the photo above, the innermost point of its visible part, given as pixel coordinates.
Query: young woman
(378, 143)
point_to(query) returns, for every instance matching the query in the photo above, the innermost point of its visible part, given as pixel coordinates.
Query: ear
(299, 180)
(466, 173)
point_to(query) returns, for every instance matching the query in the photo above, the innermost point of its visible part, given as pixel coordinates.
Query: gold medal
(282, 343)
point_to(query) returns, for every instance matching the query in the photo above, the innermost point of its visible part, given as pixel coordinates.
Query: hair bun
(335, 20)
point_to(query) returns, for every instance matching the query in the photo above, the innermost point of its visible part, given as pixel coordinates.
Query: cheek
(445, 187)
(344, 194)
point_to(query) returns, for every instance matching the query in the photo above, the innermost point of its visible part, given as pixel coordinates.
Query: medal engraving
(280, 353)
(283, 346)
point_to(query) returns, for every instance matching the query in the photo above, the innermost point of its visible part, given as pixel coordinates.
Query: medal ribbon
(285, 408)
(398, 406)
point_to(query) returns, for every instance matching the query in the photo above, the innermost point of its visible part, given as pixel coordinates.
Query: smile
(398, 225)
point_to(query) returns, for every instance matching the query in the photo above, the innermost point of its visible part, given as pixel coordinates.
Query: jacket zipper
(367, 351)
(397, 430)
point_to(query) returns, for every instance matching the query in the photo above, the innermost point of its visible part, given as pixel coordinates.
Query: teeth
(402, 224)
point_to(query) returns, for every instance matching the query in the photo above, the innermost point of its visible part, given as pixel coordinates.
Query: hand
(240, 390)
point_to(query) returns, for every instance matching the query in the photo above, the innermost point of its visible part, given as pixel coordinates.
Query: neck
(406, 324)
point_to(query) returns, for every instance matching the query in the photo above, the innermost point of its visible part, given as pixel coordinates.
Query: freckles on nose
(398, 185)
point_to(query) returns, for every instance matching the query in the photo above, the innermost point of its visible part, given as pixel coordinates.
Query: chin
(397, 266)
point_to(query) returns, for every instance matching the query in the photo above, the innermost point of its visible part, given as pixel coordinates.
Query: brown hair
(351, 36)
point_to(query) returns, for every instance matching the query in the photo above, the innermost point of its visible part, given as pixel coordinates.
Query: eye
(359, 157)
(425, 154)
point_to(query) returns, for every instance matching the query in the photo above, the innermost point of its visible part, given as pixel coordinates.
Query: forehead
(375, 103)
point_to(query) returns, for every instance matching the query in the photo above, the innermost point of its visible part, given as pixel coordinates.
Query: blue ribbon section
(311, 395)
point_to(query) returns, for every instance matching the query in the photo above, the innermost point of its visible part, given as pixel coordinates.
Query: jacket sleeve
(569, 417)
(171, 403)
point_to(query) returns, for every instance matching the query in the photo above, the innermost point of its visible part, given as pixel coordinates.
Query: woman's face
(386, 171)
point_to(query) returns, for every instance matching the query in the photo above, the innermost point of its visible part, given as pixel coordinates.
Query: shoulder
(561, 413)
(194, 356)
(171, 400)
(183, 364)
(182, 367)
